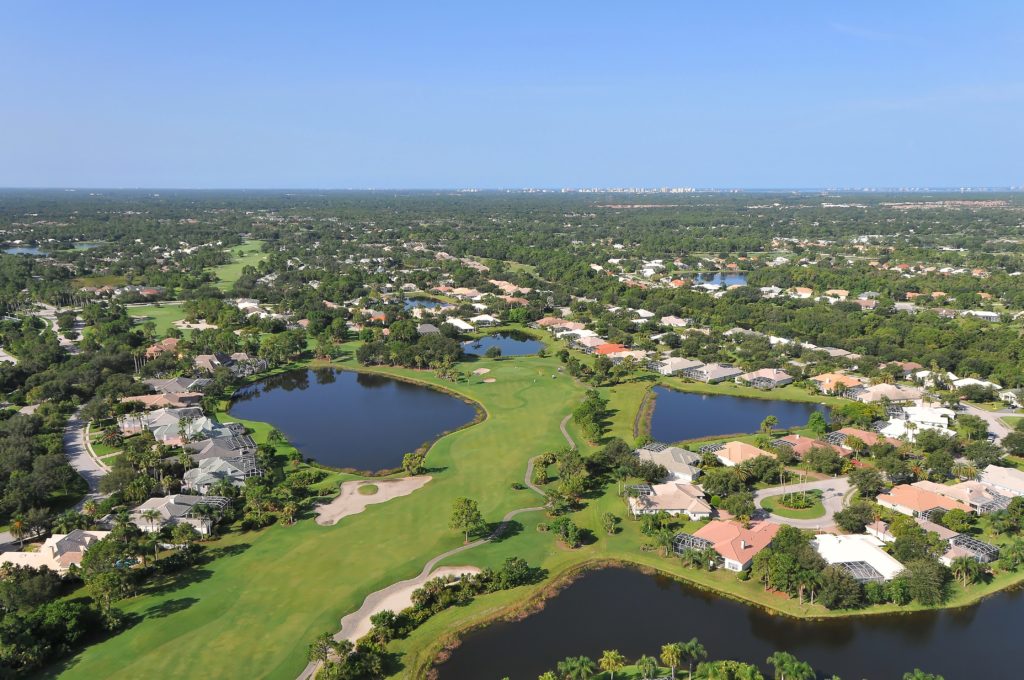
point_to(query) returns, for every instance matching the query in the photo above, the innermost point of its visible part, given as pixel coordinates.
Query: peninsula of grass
(246, 255)
(367, 489)
(781, 505)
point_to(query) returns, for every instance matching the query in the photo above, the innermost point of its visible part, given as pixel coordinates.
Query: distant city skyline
(573, 95)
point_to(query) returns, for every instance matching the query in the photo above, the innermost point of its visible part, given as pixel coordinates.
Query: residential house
(894, 393)
(765, 378)
(712, 373)
(682, 465)
(58, 553)
(674, 498)
(841, 436)
(609, 348)
(177, 509)
(1014, 397)
(240, 364)
(835, 383)
(158, 348)
(674, 365)
(229, 446)
(734, 453)
(859, 554)
(177, 385)
(171, 400)
(427, 329)
(485, 320)
(211, 471)
(457, 324)
(801, 445)
(1006, 481)
(913, 500)
(736, 543)
(675, 322)
(978, 496)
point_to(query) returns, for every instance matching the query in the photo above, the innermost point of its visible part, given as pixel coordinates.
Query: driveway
(995, 425)
(81, 459)
(833, 494)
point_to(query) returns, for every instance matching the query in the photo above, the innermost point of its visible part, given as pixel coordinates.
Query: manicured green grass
(787, 393)
(101, 449)
(287, 584)
(100, 281)
(164, 315)
(367, 489)
(1011, 421)
(252, 611)
(773, 504)
(247, 254)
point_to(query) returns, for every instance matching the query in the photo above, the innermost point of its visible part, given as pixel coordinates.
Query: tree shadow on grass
(168, 607)
(500, 533)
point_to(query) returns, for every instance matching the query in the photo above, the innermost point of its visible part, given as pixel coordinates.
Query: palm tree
(647, 666)
(693, 652)
(768, 424)
(89, 508)
(788, 667)
(611, 661)
(547, 675)
(288, 511)
(151, 516)
(672, 656)
(964, 470)
(19, 529)
(965, 569)
(576, 668)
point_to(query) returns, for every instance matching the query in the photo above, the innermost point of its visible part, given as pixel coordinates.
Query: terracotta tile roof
(735, 542)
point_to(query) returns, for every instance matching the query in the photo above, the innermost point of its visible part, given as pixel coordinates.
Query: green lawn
(773, 504)
(163, 315)
(287, 584)
(247, 254)
(252, 611)
(1011, 421)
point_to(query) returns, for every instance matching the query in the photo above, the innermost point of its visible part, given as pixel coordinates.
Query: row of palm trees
(673, 656)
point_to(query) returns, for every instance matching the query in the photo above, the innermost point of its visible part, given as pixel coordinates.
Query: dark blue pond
(635, 613)
(36, 250)
(510, 344)
(722, 278)
(426, 303)
(687, 415)
(351, 420)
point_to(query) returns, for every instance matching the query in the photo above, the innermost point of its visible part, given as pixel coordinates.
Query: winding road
(993, 418)
(834, 493)
(79, 456)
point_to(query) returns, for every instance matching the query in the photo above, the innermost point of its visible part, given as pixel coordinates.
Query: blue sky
(481, 94)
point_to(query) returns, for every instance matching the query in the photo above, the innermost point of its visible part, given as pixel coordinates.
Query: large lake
(36, 250)
(636, 613)
(510, 344)
(688, 415)
(355, 420)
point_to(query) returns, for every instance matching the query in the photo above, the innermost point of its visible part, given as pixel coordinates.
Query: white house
(860, 554)
(673, 498)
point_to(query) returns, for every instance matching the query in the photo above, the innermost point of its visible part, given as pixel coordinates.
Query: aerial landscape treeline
(135, 501)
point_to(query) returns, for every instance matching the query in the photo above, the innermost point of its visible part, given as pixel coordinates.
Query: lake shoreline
(435, 655)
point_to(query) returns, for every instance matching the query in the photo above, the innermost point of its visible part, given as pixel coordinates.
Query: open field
(228, 273)
(163, 315)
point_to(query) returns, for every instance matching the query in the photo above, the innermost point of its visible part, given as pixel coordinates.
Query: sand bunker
(490, 380)
(351, 502)
(481, 371)
(395, 597)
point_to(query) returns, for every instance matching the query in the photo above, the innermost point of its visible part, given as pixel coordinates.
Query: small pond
(37, 250)
(635, 613)
(688, 415)
(355, 420)
(721, 278)
(425, 303)
(510, 343)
